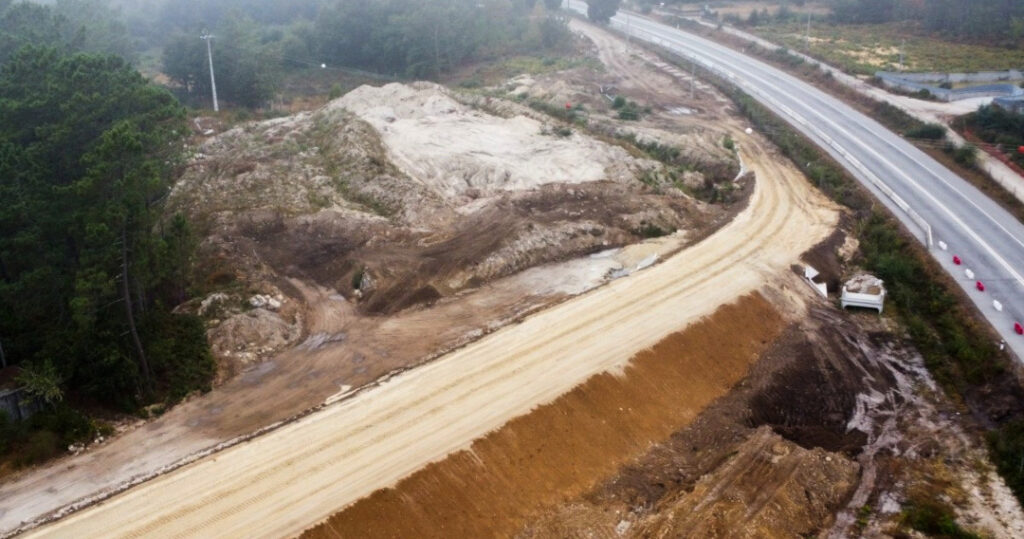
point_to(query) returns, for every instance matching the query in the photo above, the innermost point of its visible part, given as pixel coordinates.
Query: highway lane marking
(673, 33)
(708, 59)
(897, 144)
(690, 49)
(824, 99)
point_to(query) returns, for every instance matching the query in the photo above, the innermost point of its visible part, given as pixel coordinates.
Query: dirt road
(283, 482)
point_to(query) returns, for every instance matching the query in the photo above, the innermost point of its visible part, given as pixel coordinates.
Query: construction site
(516, 311)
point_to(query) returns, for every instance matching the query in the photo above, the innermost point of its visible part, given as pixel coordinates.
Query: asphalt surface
(918, 190)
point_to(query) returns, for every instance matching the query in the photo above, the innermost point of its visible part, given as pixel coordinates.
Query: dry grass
(867, 48)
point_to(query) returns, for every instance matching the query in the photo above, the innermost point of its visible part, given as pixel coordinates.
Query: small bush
(179, 355)
(8, 432)
(927, 131)
(357, 278)
(1006, 445)
(957, 349)
(571, 114)
(966, 155)
(628, 110)
(935, 519)
(42, 445)
(648, 231)
(729, 143)
(335, 91)
(629, 115)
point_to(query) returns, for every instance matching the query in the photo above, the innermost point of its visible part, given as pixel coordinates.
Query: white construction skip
(864, 291)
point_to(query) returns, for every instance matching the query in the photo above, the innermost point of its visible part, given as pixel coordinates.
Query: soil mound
(400, 196)
(770, 487)
(462, 153)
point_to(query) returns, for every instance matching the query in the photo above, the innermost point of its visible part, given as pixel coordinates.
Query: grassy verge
(896, 120)
(867, 48)
(958, 350)
(934, 519)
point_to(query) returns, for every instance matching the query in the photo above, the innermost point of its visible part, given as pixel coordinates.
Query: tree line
(982, 20)
(987, 21)
(90, 267)
(257, 44)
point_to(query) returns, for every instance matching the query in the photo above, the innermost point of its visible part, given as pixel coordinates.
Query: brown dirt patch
(562, 449)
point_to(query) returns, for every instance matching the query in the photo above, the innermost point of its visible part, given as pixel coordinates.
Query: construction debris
(864, 290)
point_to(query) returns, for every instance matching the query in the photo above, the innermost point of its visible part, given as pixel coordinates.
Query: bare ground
(295, 209)
(532, 365)
(765, 419)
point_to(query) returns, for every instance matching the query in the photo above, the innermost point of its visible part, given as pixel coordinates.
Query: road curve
(290, 479)
(911, 184)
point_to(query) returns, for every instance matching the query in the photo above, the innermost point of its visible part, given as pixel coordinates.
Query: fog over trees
(91, 266)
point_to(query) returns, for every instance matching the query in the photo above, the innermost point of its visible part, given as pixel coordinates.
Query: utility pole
(807, 36)
(3, 359)
(693, 79)
(903, 47)
(213, 81)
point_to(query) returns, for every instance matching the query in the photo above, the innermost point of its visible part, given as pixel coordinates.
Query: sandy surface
(453, 148)
(561, 450)
(323, 343)
(281, 483)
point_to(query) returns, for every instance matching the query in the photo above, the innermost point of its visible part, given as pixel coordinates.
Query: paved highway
(930, 200)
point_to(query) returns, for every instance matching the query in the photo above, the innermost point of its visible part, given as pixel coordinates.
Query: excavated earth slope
(305, 471)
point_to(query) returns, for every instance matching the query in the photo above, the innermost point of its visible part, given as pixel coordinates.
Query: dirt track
(302, 473)
(560, 450)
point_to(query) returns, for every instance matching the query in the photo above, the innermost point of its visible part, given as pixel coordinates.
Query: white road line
(695, 51)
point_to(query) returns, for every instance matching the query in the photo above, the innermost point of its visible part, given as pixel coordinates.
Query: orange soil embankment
(563, 449)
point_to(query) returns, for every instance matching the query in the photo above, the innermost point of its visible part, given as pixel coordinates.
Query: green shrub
(927, 131)
(8, 432)
(649, 231)
(65, 422)
(1006, 446)
(629, 114)
(997, 126)
(357, 278)
(42, 445)
(966, 155)
(957, 350)
(335, 91)
(935, 519)
(179, 355)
